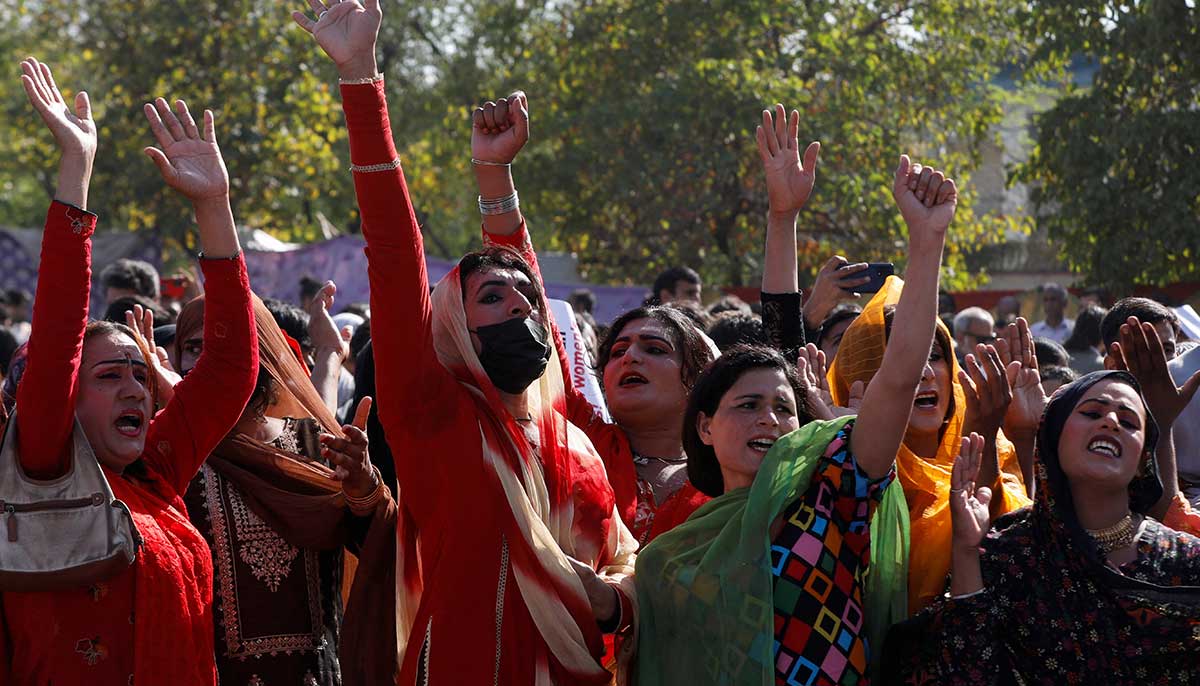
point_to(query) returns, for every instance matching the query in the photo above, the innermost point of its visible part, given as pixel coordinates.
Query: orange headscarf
(926, 482)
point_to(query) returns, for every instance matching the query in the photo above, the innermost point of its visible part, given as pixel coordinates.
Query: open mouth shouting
(629, 379)
(130, 422)
(761, 444)
(926, 400)
(1105, 447)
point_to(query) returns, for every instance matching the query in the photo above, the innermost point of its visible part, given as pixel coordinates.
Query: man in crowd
(1055, 326)
(127, 277)
(972, 326)
(677, 285)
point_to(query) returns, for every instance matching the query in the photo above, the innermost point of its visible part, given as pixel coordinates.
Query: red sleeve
(46, 395)
(209, 401)
(414, 392)
(580, 412)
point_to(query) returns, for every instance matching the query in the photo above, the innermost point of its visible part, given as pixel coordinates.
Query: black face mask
(514, 353)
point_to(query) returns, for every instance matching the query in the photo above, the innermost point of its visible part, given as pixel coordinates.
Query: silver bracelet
(485, 163)
(964, 596)
(368, 168)
(363, 81)
(496, 206)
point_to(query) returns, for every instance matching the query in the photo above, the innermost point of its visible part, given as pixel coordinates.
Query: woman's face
(113, 400)
(1102, 440)
(493, 296)
(933, 395)
(643, 380)
(758, 409)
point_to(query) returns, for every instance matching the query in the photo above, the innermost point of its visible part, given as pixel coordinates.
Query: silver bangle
(494, 206)
(363, 81)
(964, 596)
(485, 163)
(368, 168)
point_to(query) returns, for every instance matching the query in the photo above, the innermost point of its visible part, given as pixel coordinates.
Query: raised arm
(789, 184)
(209, 401)
(46, 396)
(331, 346)
(411, 383)
(927, 200)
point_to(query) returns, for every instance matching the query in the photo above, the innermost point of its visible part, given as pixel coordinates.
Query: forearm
(1025, 444)
(74, 179)
(779, 258)
(327, 365)
(218, 233)
(989, 467)
(496, 182)
(966, 574)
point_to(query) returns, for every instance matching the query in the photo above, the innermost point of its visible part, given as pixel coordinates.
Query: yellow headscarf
(926, 482)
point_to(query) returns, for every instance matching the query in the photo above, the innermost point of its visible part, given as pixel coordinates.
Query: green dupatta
(705, 588)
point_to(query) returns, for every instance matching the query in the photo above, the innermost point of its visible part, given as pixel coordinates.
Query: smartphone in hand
(878, 273)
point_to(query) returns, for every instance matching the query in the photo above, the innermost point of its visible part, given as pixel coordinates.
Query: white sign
(579, 361)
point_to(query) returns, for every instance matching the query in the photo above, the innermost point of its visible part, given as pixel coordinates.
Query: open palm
(189, 161)
(73, 128)
(789, 183)
(969, 505)
(345, 29)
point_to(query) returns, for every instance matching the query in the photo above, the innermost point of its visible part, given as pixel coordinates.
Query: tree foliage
(643, 116)
(1116, 170)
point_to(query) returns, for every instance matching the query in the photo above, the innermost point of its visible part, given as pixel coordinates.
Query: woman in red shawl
(151, 623)
(502, 499)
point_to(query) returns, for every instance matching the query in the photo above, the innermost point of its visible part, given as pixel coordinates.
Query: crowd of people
(858, 486)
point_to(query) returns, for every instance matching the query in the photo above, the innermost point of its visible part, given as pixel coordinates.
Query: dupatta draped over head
(547, 509)
(302, 502)
(705, 588)
(926, 482)
(1053, 610)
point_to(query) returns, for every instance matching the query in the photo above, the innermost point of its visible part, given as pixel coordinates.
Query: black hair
(1050, 353)
(291, 319)
(1063, 375)
(841, 313)
(308, 288)
(496, 257)
(946, 303)
(1086, 333)
(1146, 310)
(734, 327)
(693, 349)
(360, 338)
(134, 275)
(704, 470)
(694, 312)
(582, 300)
(8, 346)
(265, 394)
(667, 280)
(115, 312)
(728, 303)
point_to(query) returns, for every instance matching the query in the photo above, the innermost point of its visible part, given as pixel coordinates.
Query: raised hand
(346, 30)
(73, 127)
(1141, 352)
(142, 322)
(1016, 351)
(789, 182)
(835, 283)
(969, 512)
(322, 330)
(927, 200)
(189, 160)
(350, 456)
(500, 129)
(987, 391)
(810, 367)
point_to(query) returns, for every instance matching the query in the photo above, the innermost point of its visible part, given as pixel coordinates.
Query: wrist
(359, 68)
(493, 182)
(782, 217)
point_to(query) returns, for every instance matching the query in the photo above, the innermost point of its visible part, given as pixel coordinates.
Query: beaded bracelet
(382, 167)
(361, 82)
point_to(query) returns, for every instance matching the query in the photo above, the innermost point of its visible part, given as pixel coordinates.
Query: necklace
(645, 459)
(1115, 537)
